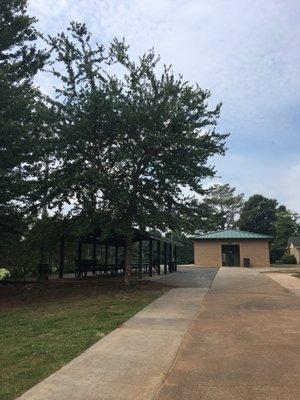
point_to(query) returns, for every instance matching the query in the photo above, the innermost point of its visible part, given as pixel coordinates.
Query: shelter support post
(94, 254)
(140, 259)
(158, 257)
(150, 256)
(106, 258)
(62, 257)
(165, 258)
(116, 259)
(79, 256)
(170, 258)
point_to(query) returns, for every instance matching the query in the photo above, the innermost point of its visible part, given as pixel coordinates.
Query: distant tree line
(226, 209)
(263, 215)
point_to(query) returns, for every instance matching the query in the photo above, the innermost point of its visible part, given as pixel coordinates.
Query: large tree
(132, 144)
(19, 62)
(224, 204)
(286, 225)
(263, 215)
(87, 109)
(258, 215)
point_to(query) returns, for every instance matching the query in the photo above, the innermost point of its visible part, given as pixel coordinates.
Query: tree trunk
(128, 257)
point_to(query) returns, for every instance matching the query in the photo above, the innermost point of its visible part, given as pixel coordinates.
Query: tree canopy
(286, 225)
(262, 215)
(224, 205)
(131, 144)
(19, 62)
(258, 215)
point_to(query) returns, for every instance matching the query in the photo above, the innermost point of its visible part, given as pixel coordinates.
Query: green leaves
(224, 205)
(286, 226)
(125, 143)
(19, 62)
(258, 215)
(130, 138)
(263, 215)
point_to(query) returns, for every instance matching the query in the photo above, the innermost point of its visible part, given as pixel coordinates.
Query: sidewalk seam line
(183, 338)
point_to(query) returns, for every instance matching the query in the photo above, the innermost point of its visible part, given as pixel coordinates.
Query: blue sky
(247, 52)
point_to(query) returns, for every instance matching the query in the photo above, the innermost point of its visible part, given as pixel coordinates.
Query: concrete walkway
(236, 340)
(132, 361)
(287, 280)
(244, 343)
(188, 277)
(281, 268)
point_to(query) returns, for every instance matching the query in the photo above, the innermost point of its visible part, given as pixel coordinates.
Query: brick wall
(207, 253)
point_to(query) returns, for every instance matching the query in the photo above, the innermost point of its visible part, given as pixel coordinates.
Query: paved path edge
(132, 361)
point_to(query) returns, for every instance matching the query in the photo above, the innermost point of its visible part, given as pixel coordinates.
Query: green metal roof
(231, 234)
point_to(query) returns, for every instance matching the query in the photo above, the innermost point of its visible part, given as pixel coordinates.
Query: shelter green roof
(231, 234)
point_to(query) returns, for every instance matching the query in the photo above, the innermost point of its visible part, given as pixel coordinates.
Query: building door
(230, 255)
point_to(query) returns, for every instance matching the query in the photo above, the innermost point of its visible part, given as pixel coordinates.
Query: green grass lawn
(36, 339)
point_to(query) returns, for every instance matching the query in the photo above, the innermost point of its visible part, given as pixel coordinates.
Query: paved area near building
(244, 343)
(228, 334)
(287, 280)
(281, 268)
(132, 361)
(188, 277)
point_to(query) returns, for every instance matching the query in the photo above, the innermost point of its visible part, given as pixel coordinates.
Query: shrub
(4, 274)
(289, 259)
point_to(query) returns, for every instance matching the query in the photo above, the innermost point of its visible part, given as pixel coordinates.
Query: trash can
(247, 262)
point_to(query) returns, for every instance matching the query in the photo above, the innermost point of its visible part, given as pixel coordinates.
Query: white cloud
(247, 52)
(291, 187)
(252, 176)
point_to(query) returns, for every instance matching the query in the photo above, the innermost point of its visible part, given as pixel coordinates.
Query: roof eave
(232, 238)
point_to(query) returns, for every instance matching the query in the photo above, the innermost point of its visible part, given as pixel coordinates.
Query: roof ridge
(238, 230)
(231, 234)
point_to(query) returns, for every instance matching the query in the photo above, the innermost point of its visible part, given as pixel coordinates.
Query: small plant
(289, 259)
(4, 274)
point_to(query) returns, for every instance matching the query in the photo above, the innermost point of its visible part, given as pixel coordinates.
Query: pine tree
(19, 62)
(224, 204)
